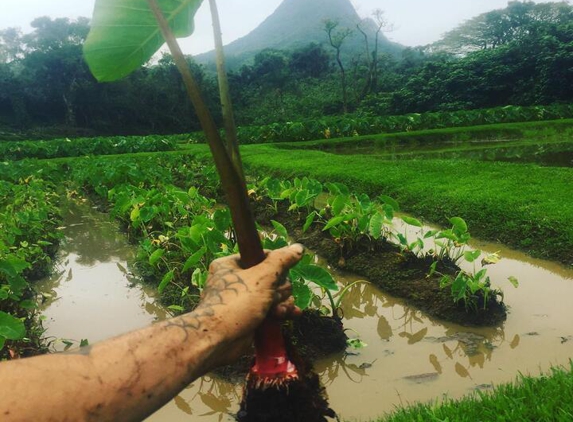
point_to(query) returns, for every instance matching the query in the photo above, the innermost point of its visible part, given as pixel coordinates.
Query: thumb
(281, 260)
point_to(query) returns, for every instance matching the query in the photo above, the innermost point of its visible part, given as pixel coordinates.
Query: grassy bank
(545, 398)
(525, 206)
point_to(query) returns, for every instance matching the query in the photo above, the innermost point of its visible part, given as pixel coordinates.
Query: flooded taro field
(552, 153)
(408, 357)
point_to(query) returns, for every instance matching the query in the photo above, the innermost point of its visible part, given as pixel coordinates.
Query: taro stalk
(125, 34)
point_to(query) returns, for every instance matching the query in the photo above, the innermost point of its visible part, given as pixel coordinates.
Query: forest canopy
(520, 55)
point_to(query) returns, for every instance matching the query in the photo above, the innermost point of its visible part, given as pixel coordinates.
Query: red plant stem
(271, 360)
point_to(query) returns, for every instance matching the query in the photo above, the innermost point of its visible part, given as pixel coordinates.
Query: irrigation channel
(549, 153)
(409, 357)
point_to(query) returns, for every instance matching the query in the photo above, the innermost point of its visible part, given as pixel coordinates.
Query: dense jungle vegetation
(520, 55)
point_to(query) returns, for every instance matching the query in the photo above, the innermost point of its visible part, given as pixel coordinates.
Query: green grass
(522, 205)
(545, 398)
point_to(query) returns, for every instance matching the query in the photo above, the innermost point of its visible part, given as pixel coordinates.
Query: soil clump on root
(313, 335)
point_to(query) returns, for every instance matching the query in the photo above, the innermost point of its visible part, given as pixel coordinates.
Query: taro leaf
(389, 201)
(302, 197)
(471, 256)
(134, 215)
(28, 304)
(302, 294)
(147, 213)
(309, 221)
(165, 281)
(388, 211)
(271, 244)
(430, 233)
(376, 223)
(315, 274)
(332, 188)
(11, 266)
(333, 222)
(412, 221)
(338, 204)
(11, 328)
(155, 256)
(201, 279)
(363, 223)
(459, 224)
(280, 229)
(2, 341)
(222, 219)
(214, 240)
(124, 34)
(194, 259)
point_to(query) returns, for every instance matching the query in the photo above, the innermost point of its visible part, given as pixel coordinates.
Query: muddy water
(409, 356)
(551, 153)
(92, 294)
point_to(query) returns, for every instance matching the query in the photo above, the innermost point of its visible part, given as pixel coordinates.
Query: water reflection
(546, 153)
(91, 294)
(91, 236)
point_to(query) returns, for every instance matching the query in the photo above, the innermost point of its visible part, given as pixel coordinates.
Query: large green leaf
(316, 274)
(124, 34)
(10, 327)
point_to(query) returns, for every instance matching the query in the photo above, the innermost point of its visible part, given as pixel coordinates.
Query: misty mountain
(295, 24)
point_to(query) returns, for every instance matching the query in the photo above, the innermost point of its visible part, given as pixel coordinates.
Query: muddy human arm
(129, 377)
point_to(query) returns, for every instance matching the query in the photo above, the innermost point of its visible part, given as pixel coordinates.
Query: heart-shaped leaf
(124, 34)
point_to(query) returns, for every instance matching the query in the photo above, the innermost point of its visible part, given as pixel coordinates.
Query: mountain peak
(295, 24)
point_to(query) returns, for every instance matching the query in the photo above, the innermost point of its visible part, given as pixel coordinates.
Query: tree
(336, 37)
(53, 60)
(500, 27)
(310, 61)
(381, 24)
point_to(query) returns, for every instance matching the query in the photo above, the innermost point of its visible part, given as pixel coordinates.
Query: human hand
(238, 299)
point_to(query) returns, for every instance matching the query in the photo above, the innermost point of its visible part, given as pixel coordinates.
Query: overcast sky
(416, 22)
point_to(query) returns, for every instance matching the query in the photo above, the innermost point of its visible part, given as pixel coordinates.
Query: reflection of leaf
(119, 267)
(462, 371)
(448, 351)
(414, 338)
(515, 342)
(478, 358)
(183, 405)
(384, 329)
(218, 404)
(435, 363)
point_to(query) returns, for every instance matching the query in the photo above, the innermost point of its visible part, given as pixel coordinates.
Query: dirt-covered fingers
(286, 309)
(275, 267)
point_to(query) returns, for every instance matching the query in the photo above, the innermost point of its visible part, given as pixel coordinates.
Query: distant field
(523, 205)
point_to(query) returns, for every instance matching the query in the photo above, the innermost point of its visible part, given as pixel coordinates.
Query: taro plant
(119, 42)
